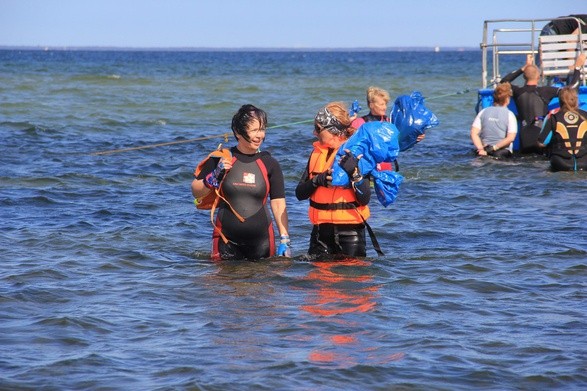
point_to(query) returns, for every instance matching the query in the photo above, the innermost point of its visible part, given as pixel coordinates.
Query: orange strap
(238, 216)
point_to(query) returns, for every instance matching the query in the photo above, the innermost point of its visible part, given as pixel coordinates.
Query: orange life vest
(209, 200)
(336, 204)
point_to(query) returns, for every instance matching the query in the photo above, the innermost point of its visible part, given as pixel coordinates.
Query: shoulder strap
(219, 153)
(374, 240)
(541, 98)
(214, 205)
(218, 197)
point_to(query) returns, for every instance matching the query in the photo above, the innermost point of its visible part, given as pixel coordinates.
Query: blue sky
(262, 23)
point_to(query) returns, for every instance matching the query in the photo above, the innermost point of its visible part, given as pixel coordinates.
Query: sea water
(106, 282)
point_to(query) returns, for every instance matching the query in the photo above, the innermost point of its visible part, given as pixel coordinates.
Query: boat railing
(558, 52)
(505, 37)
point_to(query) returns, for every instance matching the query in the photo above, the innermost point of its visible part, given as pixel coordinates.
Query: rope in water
(226, 135)
(191, 140)
(451, 94)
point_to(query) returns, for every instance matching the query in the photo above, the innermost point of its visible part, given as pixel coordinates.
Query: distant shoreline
(247, 49)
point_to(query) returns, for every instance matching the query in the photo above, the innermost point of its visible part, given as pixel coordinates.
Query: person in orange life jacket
(565, 132)
(532, 100)
(245, 181)
(338, 214)
(377, 100)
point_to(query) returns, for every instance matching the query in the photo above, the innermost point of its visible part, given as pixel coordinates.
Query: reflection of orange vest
(334, 204)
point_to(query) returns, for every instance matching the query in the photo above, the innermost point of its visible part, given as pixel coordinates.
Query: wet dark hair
(244, 116)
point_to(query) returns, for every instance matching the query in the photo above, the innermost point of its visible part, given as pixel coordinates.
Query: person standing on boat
(494, 128)
(532, 101)
(338, 213)
(377, 101)
(564, 25)
(565, 132)
(243, 228)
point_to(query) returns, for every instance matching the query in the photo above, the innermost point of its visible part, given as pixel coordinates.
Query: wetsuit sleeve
(575, 79)
(363, 191)
(546, 132)
(276, 181)
(512, 76)
(305, 187)
(209, 166)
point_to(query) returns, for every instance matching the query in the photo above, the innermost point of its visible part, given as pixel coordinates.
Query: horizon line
(435, 48)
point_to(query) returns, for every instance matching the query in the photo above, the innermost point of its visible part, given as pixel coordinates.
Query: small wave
(86, 323)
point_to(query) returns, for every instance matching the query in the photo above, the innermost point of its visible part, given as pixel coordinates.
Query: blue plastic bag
(412, 118)
(386, 185)
(378, 143)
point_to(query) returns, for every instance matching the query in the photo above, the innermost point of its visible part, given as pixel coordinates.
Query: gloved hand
(490, 149)
(213, 179)
(322, 179)
(284, 249)
(355, 108)
(350, 165)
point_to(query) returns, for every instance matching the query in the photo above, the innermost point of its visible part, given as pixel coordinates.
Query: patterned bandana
(327, 121)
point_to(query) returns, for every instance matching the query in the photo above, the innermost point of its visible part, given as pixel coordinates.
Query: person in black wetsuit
(245, 182)
(565, 133)
(564, 25)
(532, 101)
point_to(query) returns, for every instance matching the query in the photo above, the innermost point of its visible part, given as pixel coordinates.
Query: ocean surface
(105, 277)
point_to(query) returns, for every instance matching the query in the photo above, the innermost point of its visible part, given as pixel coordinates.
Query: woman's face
(328, 139)
(378, 106)
(256, 136)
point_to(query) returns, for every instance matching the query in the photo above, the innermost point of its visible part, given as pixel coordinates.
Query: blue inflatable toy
(377, 142)
(412, 118)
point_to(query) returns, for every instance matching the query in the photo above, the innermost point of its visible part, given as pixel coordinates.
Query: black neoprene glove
(489, 149)
(350, 165)
(320, 179)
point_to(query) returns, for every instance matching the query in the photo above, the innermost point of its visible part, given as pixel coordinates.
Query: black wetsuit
(372, 117)
(532, 104)
(566, 136)
(567, 25)
(246, 186)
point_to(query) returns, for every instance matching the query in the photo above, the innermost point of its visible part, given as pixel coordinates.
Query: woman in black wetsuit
(565, 132)
(245, 182)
